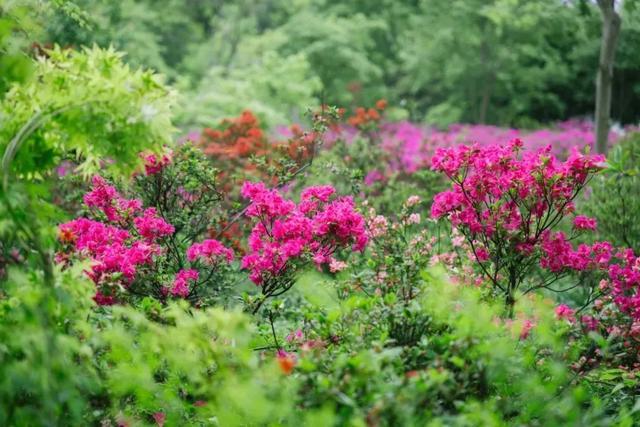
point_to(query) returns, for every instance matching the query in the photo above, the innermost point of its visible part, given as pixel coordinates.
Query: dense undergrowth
(348, 269)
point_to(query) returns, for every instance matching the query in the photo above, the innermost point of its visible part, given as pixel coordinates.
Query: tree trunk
(486, 97)
(610, 30)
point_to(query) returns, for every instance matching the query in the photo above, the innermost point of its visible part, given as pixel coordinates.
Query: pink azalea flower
(565, 312)
(414, 218)
(154, 164)
(159, 418)
(181, 282)
(319, 225)
(412, 201)
(209, 251)
(151, 226)
(581, 222)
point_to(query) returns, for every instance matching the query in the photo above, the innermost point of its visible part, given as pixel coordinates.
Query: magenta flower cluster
(617, 308)
(105, 199)
(287, 233)
(121, 238)
(624, 283)
(210, 251)
(581, 222)
(153, 163)
(412, 146)
(409, 147)
(150, 226)
(114, 254)
(181, 282)
(507, 201)
(500, 189)
(558, 254)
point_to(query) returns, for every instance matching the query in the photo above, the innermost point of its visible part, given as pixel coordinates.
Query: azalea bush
(241, 149)
(287, 236)
(155, 245)
(400, 250)
(233, 145)
(507, 204)
(507, 207)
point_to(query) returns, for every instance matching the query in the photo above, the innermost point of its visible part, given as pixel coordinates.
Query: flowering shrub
(235, 142)
(506, 203)
(288, 236)
(299, 146)
(135, 252)
(184, 189)
(398, 251)
(407, 145)
(242, 151)
(614, 314)
(368, 118)
(239, 137)
(563, 137)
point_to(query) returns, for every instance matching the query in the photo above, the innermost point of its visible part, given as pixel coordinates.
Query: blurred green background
(505, 62)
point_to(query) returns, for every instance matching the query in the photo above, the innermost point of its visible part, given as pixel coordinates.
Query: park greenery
(319, 212)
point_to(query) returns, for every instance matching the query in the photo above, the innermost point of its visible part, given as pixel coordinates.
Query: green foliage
(21, 23)
(15, 21)
(88, 103)
(271, 85)
(195, 368)
(460, 364)
(156, 34)
(615, 200)
(504, 62)
(339, 50)
(70, 365)
(467, 60)
(46, 372)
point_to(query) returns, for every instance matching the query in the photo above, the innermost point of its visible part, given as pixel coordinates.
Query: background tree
(499, 62)
(611, 24)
